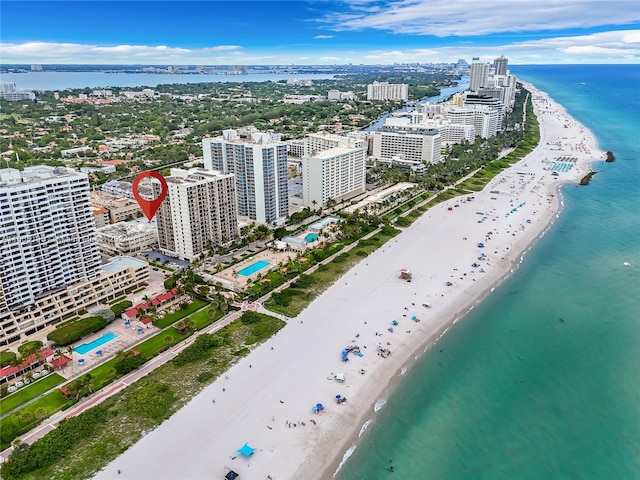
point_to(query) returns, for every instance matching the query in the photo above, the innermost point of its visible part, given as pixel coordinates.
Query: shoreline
(276, 385)
(367, 419)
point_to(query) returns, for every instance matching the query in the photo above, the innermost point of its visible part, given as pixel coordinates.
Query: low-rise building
(120, 276)
(124, 238)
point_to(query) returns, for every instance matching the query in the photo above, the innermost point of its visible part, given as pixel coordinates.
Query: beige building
(121, 276)
(126, 238)
(120, 209)
(200, 208)
(410, 142)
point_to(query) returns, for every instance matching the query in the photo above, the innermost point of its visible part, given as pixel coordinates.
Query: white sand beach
(277, 385)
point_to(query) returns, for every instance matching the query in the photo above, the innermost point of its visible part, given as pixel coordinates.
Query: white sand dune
(280, 381)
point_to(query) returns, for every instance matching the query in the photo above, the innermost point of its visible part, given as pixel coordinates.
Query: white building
(479, 74)
(9, 93)
(409, 142)
(388, 91)
(126, 238)
(106, 169)
(47, 232)
(259, 162)
(333, 167)
(200, 209)
(338, 96)
(300, 99)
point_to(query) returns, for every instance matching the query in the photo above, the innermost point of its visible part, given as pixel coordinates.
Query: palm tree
(70, 352)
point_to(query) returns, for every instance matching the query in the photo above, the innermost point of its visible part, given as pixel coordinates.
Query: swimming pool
(311, 237)
(87, 347)
(253, 268)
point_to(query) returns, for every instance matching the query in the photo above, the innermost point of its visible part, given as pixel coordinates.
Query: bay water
(542, 379)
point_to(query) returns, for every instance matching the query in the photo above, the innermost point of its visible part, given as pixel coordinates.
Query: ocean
(542, 379)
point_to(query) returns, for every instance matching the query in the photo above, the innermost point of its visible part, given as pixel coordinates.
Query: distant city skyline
(316, 32)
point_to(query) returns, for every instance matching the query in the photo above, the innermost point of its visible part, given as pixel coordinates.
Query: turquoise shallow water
(540, 381)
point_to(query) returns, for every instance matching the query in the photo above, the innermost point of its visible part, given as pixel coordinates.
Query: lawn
(154, 345)
(103, 373)
(26, 418)
(28, 393)
(126, 425)
(175, 316)
(201, 319)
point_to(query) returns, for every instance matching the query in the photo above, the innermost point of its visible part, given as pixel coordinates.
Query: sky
(314, 32)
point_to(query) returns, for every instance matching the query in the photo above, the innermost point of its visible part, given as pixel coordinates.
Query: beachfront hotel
(50, 268)
(333, 167)
(259, 163)
(199, 210)
(416, 143)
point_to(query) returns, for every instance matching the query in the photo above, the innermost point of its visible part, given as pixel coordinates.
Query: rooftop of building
(334, 152)
(120, 263)
(323, 222)
(13, 176)
(125, 228)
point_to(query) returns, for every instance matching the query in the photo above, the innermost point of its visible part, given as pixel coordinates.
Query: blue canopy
(245, 450)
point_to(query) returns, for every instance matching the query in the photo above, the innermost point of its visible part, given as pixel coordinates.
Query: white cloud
(618, 46)
(43, 52)
(322, 37)
(604, 47)
(470, 17)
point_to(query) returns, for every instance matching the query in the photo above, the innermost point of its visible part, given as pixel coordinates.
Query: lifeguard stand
(405, 274)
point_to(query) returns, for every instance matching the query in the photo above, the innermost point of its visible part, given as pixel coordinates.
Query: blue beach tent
(246, 450)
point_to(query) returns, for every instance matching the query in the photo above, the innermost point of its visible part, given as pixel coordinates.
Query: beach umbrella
(338, 397)
(319, 406)
(315, 409)
(81, 360)
(98, 352)
(413, 317)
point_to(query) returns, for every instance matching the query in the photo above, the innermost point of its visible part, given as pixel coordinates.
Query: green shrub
(47, 450)
(7, 358)
(119, 308)
(152, 401)
(204, 377)
(71, 332)
(30, 347)
(107, 314)
(303, 281)
(199, 349)
(170, 282)
(127, 362)
(249, 318)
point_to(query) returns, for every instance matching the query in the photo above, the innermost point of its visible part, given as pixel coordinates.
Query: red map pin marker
(150, 207)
